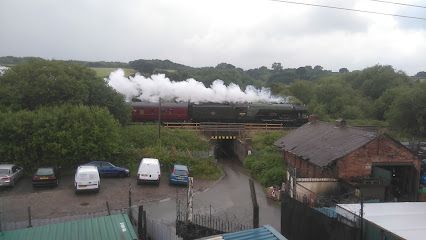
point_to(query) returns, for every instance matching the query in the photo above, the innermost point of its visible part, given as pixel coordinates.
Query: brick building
(355, 156)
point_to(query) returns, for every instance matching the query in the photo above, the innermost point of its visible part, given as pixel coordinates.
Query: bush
(266, 162)
(175, 146)
(63, 136)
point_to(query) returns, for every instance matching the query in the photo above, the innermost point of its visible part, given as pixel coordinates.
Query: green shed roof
(111, 227)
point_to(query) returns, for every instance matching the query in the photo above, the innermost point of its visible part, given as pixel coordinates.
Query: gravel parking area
(62, 201)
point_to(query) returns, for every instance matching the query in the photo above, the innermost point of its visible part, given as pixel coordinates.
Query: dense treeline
(374, 94)
(10, 61)
(65, 135)
(37, 83)
(56, 113)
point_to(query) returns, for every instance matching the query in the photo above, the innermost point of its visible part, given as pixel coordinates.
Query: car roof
(150, 160)
(87, 168)
(180, 167)
(6, 166)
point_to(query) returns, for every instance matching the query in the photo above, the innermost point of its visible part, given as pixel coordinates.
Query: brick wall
(358, 163)
(305, 169)
(382, 150)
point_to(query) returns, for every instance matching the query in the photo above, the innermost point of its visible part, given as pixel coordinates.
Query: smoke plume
(3, 69)
(159, 86)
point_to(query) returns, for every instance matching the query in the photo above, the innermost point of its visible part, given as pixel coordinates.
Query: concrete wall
(242, 149)
(320, 186)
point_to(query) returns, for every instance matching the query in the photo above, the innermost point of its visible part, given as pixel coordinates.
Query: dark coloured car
(46, 176)
(108, 169)
(179, 175)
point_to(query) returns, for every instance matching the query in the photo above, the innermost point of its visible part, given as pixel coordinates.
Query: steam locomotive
(287, 114)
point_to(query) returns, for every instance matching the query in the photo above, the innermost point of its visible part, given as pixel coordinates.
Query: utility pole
(189, 206)
(159, 117)
(255, 205)
(362, 217)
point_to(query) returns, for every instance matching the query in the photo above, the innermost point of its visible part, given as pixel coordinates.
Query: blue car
(179, 175)
(108, 169)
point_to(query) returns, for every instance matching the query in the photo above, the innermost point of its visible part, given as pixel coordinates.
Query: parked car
(87, 179)
(108, 169)
(10, 174)
(179, 174)
(149, 171)
(46, 176)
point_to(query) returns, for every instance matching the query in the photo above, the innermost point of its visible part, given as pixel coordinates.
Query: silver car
(10, 174)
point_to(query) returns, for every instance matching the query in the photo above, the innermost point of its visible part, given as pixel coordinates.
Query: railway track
(227, 126)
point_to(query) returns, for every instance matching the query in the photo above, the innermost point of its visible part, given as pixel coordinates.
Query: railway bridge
(228, 139)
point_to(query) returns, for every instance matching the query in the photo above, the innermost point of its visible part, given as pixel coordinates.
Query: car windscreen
(44, 171)
(181, 172)
(4, 172)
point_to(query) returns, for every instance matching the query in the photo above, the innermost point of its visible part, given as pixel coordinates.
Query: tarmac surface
(228, 198)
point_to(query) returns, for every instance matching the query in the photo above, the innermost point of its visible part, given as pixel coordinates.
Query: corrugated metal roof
(263, 233)
(111, 227)
(321, 143)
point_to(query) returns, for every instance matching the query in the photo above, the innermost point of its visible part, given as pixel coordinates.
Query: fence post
(145, 230)
(107, 206)
(130, 203)
(140, 215)
(29, 217)
(255, 205)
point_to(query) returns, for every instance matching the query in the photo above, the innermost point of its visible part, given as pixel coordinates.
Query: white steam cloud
(3, 69)
(156, 86)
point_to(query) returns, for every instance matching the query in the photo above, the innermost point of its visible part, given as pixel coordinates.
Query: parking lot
(62, 201)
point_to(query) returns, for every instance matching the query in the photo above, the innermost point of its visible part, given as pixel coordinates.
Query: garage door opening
(400, 181)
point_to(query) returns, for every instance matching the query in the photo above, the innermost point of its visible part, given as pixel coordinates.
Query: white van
(87, 179)
(149, 171)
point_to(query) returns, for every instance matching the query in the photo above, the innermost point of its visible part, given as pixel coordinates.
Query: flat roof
(263, 233)
(113, 227)
(404, 219)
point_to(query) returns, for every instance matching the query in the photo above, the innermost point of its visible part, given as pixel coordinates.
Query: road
(229, 198)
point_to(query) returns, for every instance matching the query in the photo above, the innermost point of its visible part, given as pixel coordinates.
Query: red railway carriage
(170, 112)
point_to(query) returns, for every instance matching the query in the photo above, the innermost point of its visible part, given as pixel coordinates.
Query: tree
(408, 111)
(38, 83)
(318, 68)
(374, 81)
(421, 74)
(65, 136)
(302, 90)
(343, 70)
(276, 66)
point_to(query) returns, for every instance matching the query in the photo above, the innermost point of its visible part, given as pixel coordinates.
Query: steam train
(287, 114)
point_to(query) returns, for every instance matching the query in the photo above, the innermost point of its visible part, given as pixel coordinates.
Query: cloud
(245, 33)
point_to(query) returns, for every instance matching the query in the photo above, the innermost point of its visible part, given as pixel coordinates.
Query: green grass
(266, 162)
(104, 72)
(174, 146)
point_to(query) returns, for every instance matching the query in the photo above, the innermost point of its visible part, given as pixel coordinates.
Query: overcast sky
(245, 33)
